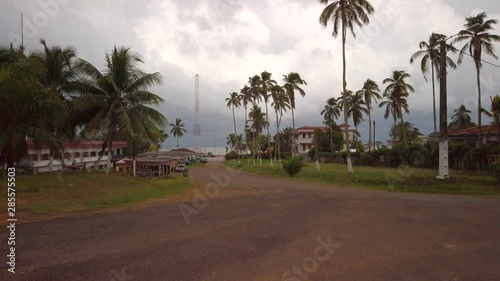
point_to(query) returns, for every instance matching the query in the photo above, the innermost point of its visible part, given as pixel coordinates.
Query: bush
(293, 165)
(231, 155)
(495, 172)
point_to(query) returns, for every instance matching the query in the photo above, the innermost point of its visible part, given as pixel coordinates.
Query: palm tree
(118, 99)
(27, 107)
(347, 13)
(280, 103)
(430, 53)
(370, 93)
(266, 84)
(58, 73)
(234, 101)
(461, 118)
(246, 99)
(396, 92)
(495, 114)
(178, 129)
(357, 107)
(293, 81)
(331, 112)
(258, 121)
(478, 37)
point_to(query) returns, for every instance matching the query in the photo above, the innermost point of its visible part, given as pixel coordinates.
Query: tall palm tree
(118, 99)
(280, 103)
(370, 93)
(258, 123)
(396, 91)
(461, 118)
(234, 101)
(430, 53)
(59, 65)
(246, 99)
(347, 14)
(178, 129)
(330, 112)
(255, 88)
(357, 107)
(478, 39)
(266, 84)
(293, 81)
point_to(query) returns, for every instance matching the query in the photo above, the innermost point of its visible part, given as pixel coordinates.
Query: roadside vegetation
(73, 193)
(403, 179)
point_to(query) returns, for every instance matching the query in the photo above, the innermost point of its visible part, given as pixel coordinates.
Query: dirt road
(259, 228)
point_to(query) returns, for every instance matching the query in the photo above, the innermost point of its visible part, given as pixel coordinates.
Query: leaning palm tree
(177, 129)
(266, 84)
(117, 100)
(280, 104)
(478, 37)
(430, 53)
(293, 81)
(461, 118)
(234, 101)
(370, 93)
(347, 14)
(397, 90)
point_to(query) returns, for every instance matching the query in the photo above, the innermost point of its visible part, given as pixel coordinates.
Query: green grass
(195, 165)
(52, 194)
(392, 179)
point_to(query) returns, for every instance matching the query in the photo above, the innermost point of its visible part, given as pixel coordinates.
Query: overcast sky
(226, 41)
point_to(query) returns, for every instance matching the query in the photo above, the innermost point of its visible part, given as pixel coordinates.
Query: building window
(45, 157)
(310, 135)
(303, 135)
(78, 155)
(303, 147)
(35, 157)
(94, 154)
(67, 155)
(85, 154)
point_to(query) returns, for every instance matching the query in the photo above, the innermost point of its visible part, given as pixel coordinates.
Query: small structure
(148, 166)
(76, 155)
(489, 135)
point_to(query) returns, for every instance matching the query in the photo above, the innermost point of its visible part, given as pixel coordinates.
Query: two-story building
(80, 155)
(304, 137)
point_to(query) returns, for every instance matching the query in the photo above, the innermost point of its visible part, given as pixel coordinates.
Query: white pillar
(443, 160)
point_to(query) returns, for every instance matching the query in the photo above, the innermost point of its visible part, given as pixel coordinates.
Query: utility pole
(443, 116)
(374, 141)
(22, 33)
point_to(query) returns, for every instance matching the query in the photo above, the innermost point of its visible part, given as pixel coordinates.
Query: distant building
(304, 137)
(78, 155)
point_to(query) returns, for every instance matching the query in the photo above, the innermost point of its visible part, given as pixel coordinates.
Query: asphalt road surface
(247, 227)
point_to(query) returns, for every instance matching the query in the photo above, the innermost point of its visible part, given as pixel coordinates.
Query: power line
(487, 62)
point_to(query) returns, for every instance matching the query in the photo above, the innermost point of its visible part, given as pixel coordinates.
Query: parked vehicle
(204, 160)
(180, 168)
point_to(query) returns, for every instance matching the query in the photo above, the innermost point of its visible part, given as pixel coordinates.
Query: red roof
(343, 125)
(82, 144)
(472, 131)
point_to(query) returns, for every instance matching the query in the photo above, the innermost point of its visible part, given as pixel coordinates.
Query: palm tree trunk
(103, 150)
(434, 98)
(246, 133)
(133, 159)
(277, 144)
(403, 128)
(236, 135)
(344, 88)
(370, 127)
(110, 155)
(51, 161)
(177, 142)
(269, 137)
(260, 152)
(253, 147)
(478, 105)
(293, 135)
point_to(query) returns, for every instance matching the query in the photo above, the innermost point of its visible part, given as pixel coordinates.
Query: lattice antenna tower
(197, 126)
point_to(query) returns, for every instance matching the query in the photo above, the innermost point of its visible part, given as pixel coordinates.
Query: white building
(304, 137)
(79, 155)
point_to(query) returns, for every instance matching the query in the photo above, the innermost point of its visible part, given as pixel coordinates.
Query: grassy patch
(53, 194)
(195, 165)
(403, 179)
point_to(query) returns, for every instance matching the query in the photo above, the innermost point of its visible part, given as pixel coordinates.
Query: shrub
(231, 155)
(293, 165)
(495, 172)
